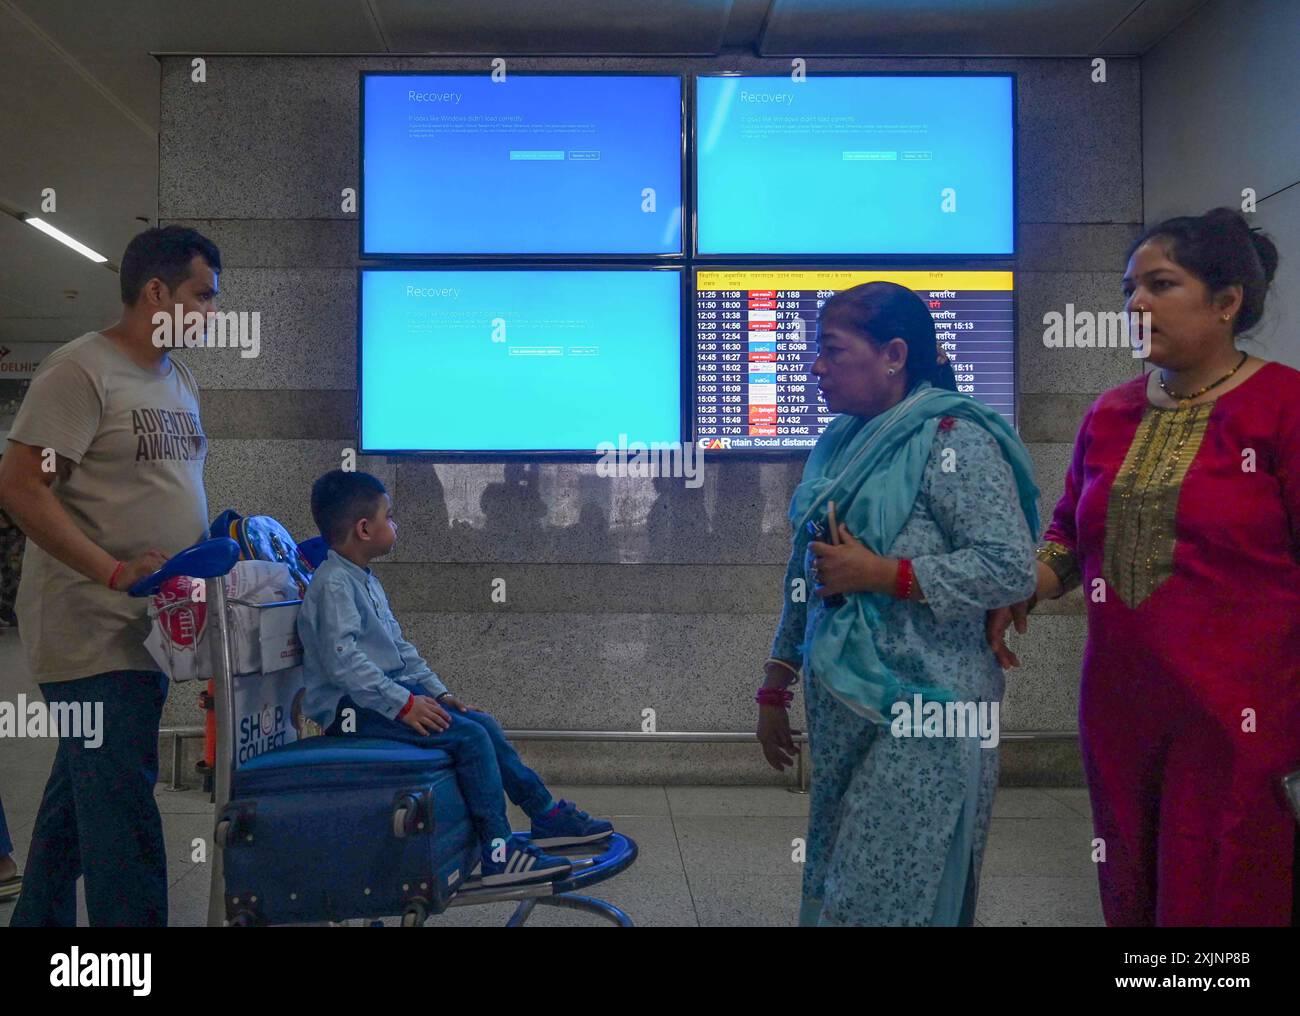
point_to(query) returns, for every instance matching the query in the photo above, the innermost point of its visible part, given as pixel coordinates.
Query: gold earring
(1227, 317)
(892, 372)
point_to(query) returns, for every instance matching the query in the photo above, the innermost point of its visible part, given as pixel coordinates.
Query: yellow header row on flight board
(759, 278)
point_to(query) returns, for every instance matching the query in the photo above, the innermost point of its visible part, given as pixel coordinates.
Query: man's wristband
(410, 701)
(112, 579)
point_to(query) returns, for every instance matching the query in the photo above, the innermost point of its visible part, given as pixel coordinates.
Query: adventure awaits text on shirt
(167, 434)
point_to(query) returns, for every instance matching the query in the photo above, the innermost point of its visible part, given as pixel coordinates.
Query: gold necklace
(1195, 395)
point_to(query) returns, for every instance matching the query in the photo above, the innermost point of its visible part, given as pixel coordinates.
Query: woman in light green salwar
(936, 524)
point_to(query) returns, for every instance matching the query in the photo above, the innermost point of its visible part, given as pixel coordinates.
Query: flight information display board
(755, 340)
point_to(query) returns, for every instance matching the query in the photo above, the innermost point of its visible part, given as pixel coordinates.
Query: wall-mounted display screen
(755, 340)
(460, 164)
(855, 165)
(494, 362)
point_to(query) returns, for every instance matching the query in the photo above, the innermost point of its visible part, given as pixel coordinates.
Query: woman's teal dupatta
(872, 470)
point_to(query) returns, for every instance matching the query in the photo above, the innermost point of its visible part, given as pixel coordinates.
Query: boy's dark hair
(339, 499)
(164, 254)
(1221, 249)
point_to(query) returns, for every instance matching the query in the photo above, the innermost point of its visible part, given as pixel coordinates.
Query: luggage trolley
(329, 829)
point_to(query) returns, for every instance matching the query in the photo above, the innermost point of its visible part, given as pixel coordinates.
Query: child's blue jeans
(487, 766)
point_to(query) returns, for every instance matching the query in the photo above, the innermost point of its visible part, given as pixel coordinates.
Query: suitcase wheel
(408, 819)
(414, 916)
(233, 825)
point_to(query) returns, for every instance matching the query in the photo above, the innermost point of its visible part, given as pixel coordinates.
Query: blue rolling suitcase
(334, 828)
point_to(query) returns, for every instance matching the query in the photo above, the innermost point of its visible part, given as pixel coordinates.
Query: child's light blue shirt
(352, 645)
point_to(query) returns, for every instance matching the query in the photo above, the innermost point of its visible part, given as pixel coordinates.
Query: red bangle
(774, 697)
(410, 701)
(903, 580)
(113, 578)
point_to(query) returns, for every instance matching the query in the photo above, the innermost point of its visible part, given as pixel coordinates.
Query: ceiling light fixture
(64, 239)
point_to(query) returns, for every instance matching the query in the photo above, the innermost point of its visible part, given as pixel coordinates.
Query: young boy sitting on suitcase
(363, 678)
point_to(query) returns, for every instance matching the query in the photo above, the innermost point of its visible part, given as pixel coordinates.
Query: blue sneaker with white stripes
(565, 826)
(523, 862)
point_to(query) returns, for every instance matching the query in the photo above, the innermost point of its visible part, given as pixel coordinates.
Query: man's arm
(26, 495)
(54, 428)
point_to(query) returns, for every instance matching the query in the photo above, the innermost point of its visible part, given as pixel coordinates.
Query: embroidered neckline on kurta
(1143, 503)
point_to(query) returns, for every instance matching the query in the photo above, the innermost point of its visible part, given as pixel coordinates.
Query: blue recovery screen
(503, 361)
(854, 165)
(542, 164)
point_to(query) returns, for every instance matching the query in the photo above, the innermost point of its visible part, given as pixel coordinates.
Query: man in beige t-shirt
(103, 471)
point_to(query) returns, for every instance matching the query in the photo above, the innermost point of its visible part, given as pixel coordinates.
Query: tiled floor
(708, 856)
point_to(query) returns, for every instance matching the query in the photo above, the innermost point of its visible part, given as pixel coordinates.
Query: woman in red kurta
(1181, 519)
